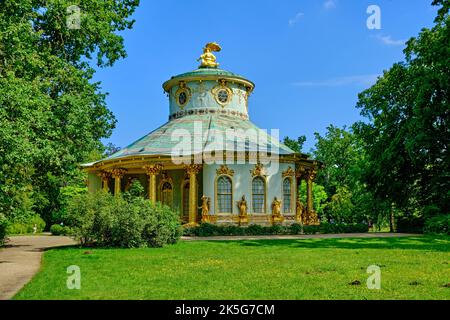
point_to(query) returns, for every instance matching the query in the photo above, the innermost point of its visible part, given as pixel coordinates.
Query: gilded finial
(208, 59)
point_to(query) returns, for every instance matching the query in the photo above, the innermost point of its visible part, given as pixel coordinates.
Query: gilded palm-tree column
(117, 174)
(105, 176)
(152, 171)
(192, 170)
(311, 175)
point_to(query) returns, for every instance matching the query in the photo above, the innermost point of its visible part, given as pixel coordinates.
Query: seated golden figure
(208, 59)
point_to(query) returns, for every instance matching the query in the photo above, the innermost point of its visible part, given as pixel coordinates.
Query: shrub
(311, 229)
(26, 224)
(105, 220)
(295, 228)
(438, 225)
(410, 224)
(3, 227)
(59, 230)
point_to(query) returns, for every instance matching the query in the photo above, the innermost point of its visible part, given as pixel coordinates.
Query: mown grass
(411, 268)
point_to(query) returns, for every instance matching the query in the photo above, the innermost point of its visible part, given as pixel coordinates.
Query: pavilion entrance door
(185, 204)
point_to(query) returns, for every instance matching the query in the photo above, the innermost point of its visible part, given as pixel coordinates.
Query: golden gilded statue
(242, 205)
(205, 208)
(276, 211)
(299, 208)
(208, 59)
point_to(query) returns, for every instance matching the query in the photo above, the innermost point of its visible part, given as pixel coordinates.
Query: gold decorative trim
(258, 170)
(153, 169)
(289, 172)
(221, 87)
(118, 172)
(182, 88)
(224, 170)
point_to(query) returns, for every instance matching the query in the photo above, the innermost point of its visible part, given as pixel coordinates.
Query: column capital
(153, 169)
(104, 175)
(193, 169)
(311, 174)
(118, 172)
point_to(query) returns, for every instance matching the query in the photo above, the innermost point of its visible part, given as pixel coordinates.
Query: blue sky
(309, 59)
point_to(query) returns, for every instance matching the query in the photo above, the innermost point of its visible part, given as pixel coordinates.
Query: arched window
(224, 195)
(166, 193)
(287, 196)
(258, 195)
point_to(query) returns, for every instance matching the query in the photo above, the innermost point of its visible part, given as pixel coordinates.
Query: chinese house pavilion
(209, 161)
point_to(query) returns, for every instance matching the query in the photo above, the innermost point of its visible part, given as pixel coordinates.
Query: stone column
(117, 174)
(105, 176)
(152, 170)
(192, 170)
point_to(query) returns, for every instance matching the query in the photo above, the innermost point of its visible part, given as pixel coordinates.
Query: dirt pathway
(20, 259)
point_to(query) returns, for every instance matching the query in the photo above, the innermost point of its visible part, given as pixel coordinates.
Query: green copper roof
(206, 130)
(207, 73)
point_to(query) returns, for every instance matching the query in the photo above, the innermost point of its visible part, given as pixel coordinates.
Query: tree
(52, 116)
(407, 132)
(295, 145)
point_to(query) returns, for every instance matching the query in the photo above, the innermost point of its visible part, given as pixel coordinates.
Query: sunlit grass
(411, 268)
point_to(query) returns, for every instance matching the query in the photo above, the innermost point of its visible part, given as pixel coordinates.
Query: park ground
(415, 267)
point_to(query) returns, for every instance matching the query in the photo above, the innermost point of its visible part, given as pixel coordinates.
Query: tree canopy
(52, 115)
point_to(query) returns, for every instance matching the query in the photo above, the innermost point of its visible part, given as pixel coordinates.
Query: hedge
(207, 230)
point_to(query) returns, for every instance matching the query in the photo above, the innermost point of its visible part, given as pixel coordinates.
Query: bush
(410, 224)
(208, 230)
(3, 227)
(102, 219)
(59, 230)
(26, 224)
(438, 225)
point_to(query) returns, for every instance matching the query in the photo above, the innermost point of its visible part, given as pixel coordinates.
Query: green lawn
(412, 268)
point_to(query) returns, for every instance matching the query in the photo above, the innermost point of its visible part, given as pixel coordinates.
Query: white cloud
(366, 80)
(295, 19)
(387, 40)
(329, 4)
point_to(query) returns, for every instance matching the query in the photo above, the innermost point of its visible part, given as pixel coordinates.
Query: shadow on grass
(410, 243)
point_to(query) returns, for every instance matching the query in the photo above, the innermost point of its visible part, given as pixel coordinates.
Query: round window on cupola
(182, 95)
(222, 93)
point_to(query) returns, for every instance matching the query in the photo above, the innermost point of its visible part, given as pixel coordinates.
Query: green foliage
(25, 224)
(410, 224)
(136, 190)
(3, 227)
(438, 225)
(407, 130)
(66, 194)
(319, 197)
(102, 219)
(52, 114)
(60, 230)
(341, 208)
(295, 145)
(209, 230)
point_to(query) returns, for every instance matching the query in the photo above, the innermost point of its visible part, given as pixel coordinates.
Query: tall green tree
(407, 127)
(52, 115)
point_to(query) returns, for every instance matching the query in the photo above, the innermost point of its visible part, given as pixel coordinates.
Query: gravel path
(20, 259)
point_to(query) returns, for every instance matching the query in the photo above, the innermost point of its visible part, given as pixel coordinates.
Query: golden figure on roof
(208, 59)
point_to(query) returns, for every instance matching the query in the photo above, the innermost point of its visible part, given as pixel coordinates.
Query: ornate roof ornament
(225, 170)
(258, 170)
(208, 59)
(118, 172)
